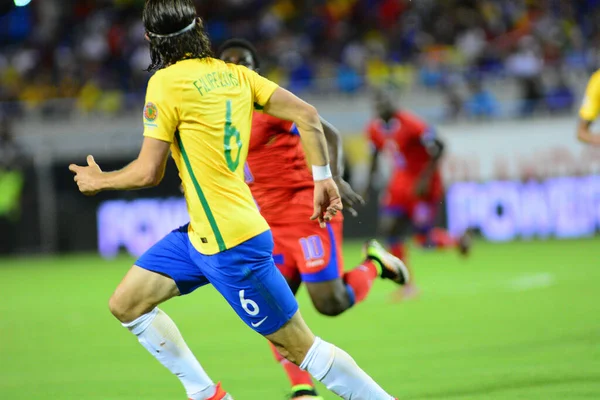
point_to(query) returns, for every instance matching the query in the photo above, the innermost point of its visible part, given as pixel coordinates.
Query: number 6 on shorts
(248, 305)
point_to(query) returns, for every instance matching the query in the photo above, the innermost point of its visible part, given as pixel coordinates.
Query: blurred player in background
(413, 195)
(589, 111)
(281, 183)
(200, 109)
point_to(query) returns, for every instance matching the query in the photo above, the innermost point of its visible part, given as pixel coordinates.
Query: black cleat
(391, 267)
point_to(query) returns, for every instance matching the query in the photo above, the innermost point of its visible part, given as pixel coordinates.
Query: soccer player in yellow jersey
(589, 111)
(200, 109)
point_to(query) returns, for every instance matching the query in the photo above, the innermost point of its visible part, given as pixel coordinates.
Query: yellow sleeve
(590, 108)
(262, 88)
(160, 113)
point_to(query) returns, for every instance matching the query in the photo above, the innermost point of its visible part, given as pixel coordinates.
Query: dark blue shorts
(245, 275)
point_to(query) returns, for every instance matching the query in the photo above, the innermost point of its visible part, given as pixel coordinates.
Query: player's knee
(329, 298)
(123, 309)
(331, 306)
(117, 308)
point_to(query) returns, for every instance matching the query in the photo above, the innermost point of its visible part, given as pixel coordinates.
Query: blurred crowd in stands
(95, 52)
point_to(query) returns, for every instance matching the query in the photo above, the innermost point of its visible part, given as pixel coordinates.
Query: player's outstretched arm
(585, 134)
(285, 105)
(146, 170)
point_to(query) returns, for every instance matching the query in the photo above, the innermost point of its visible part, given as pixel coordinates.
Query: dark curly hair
(242, 44)
(175, 32)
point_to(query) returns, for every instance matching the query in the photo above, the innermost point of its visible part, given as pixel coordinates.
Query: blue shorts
(245, 275)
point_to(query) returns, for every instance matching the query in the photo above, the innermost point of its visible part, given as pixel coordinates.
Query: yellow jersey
(204, 107)
(591, 103)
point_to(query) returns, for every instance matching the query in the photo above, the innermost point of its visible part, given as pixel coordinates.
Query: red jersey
(404, 137)
(277, 171)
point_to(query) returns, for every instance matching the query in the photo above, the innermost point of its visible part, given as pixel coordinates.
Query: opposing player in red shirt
(282, 185)
(413, 195)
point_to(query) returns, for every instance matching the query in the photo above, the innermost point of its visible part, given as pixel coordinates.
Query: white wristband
(321, 172)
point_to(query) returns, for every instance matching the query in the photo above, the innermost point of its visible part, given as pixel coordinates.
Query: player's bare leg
(439, 238)
(140, 292)
(428, 236)
(431, 237)
(134, 303)
(334, 297)
(302, 385)
(325, 362)
(329, 298)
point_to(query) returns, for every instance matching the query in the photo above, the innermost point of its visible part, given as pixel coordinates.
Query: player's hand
(87, 177)
(327, 201)
(349, 197)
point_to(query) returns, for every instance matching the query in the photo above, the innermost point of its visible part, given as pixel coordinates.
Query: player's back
(208, 104)
(276, 169)
(275, 147)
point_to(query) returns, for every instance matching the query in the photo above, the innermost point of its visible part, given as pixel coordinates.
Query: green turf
(515, 321)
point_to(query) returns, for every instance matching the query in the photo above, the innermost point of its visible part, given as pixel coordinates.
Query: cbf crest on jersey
(150, 113)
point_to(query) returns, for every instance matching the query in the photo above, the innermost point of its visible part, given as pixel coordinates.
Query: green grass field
(514, 321)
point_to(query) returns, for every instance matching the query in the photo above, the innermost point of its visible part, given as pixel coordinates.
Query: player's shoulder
(159, 86)
(410, 118)
(406, 115)
(158, 77)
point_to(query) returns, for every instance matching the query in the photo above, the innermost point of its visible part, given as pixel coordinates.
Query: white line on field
(530, 282)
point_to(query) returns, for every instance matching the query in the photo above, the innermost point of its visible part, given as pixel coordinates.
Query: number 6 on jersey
(248, 305)
(231, 132)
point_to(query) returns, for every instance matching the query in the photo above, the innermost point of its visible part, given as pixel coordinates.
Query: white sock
(339, 372)
(160, 336)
